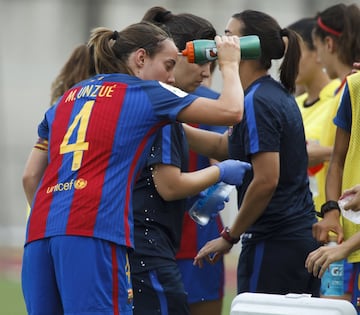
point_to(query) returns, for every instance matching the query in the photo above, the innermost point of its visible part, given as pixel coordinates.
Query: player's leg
(93, 276)
(277, 267)
(39, 281)
(159, 292)
(204, 286)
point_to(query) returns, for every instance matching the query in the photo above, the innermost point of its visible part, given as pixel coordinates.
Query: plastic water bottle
(204, 50)
(332, 281)
(353, 216)
(205, 207)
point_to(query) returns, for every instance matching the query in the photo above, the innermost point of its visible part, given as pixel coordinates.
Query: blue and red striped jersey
(99, 134)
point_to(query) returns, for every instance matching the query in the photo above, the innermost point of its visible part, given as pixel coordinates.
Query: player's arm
(266, 166)
(172, 184)
(317, 153)
(34, 170)
(208, 143)
(229, 107)
(331, 222)
(336, 166)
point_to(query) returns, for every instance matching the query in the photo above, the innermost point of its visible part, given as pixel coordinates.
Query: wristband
(225, 234)
(329, 206)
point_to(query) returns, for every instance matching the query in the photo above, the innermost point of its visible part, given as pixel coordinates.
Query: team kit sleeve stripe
(166, 144)
(251, 121)
(41, 144)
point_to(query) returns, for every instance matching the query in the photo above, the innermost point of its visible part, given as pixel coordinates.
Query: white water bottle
(332, 281)
(204, 208)
(353, 216)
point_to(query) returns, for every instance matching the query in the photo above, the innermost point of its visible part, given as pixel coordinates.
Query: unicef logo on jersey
(76, 184)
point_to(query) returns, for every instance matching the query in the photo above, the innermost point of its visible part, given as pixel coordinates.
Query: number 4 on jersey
(81, 120)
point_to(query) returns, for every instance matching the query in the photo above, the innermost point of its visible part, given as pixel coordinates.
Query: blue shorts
(159, 292)
(76, 275)
(202, 284)
(277, 267)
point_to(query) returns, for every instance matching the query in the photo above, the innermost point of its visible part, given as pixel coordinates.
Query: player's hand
(319, 260)
(212, 251)
(228, 49)
(354, 203)
(330, 222)
(233, 171)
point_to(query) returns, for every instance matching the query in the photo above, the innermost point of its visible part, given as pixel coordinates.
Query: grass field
(11, 299)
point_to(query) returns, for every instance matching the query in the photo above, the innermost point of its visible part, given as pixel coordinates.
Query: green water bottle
(204, 50)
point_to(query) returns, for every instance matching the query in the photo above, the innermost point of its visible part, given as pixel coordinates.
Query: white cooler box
(289, 304)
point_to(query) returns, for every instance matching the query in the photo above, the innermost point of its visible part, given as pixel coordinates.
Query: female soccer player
(276, 211)
(93, 142)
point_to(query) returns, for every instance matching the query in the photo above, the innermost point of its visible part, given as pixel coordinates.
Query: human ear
(140, 56)
(330, 44)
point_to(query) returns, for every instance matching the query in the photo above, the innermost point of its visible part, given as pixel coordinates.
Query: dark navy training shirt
(272, 123)
(158, 223)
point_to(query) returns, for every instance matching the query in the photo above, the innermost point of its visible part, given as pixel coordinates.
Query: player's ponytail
(289, 67)
(111, 49)
(104, 43)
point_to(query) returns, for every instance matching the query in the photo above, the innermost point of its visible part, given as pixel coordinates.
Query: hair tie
(115, 35)
(327, 28)
(284, 32)
(160, 17)
(164, 14)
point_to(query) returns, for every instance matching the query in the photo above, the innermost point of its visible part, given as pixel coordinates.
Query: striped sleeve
(41, 144)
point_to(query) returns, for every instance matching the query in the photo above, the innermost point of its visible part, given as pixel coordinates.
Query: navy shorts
(202, 284)
(277, 267)
(76, 275)
(159, 292)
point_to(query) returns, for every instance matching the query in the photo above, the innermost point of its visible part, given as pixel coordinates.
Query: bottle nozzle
(189, 52)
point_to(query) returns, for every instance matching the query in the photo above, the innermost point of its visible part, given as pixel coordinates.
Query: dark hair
(304, 28)
(78, 67)
(112, 49)
(342, 23)
(272, 44)
(182, 27)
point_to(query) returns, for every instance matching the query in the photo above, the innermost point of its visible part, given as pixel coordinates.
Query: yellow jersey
(351, 173)
(318, 126)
